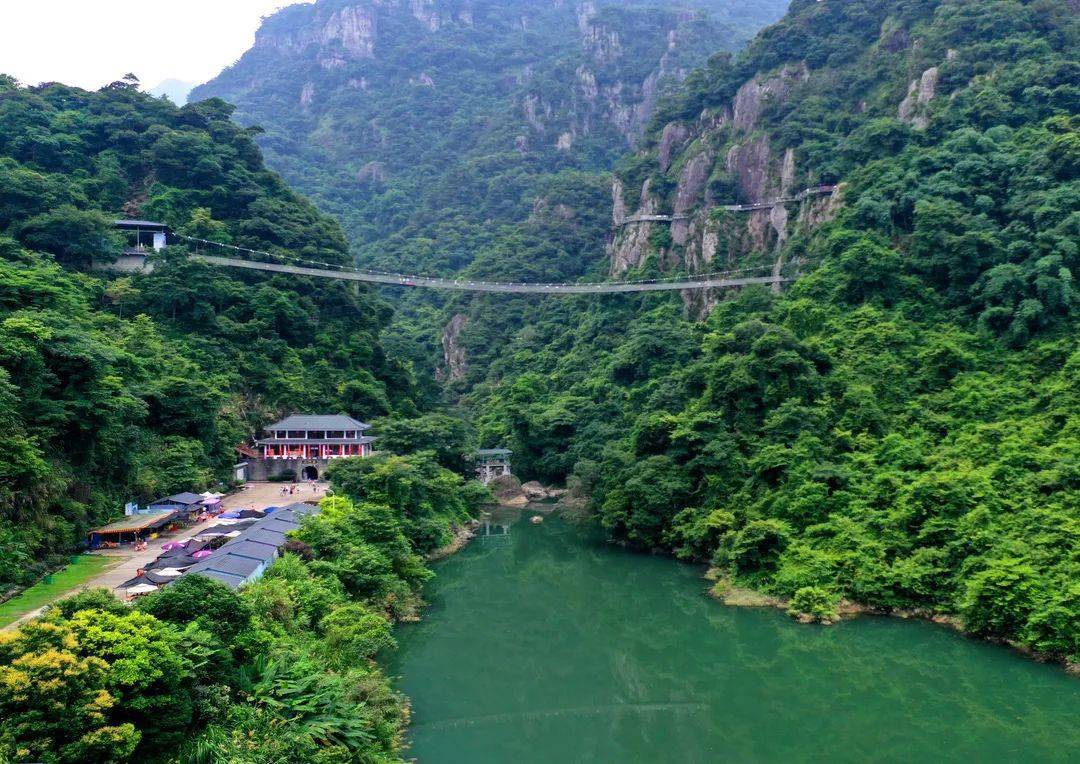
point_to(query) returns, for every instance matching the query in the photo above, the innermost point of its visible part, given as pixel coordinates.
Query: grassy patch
(83, 567)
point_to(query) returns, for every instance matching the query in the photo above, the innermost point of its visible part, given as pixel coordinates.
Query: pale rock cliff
(352, 27)
(454, 360)
(920, 92)
(723, 143)
(753, 95)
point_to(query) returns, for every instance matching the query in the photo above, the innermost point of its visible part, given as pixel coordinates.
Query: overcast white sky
(90, 43)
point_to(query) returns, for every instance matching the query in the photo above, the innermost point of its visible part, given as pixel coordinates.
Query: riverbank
(726, 592)
(549, 644)
(463, 534)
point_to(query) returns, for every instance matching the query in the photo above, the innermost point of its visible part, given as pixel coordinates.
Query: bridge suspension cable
(303, 267)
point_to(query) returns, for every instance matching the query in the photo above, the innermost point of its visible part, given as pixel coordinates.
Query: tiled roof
(314, 441)
(185, 498)
(318, 422)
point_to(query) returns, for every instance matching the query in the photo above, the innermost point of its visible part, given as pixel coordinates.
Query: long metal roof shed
(135, 523)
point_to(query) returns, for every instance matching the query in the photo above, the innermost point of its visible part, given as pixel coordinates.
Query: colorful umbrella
(202, 554)
(173, 545)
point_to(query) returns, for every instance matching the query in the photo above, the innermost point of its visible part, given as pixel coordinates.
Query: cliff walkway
(721, 280)
(748, 207)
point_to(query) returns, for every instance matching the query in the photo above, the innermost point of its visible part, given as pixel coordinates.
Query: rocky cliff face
(454, 360)
(723, 190)
(345, 86)
(722, 158)
(603, 96)
(351, 31)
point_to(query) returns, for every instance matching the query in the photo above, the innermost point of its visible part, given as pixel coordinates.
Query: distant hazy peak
(173, 89)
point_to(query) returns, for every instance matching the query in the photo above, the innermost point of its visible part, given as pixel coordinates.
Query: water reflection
(495, 525)
(549, 646)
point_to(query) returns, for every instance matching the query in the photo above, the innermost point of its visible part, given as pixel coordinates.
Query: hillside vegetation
(113, 389)
(899, 427)
(282, 670)
(118, 388)
(468, 138)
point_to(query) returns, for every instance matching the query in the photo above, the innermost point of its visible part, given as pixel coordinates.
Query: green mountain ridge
(399, 116)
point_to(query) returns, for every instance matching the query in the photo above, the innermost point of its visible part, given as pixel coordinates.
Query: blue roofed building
(246, 557)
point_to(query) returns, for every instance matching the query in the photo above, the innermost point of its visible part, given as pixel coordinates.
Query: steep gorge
(390, 113)
(818, 443)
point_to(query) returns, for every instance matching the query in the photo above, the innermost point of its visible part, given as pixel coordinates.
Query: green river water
(546, 645)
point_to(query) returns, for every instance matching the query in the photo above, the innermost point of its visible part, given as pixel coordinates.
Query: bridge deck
(610, 287)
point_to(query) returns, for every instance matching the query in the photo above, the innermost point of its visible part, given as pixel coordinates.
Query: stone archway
(309, 473)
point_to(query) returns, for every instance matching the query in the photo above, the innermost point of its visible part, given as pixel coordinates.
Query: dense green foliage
(900, 427)
(114, 389)
(282, 670)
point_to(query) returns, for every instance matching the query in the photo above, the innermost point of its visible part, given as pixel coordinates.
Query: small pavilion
(492, 463)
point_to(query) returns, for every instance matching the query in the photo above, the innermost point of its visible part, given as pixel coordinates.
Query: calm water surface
(545, 645)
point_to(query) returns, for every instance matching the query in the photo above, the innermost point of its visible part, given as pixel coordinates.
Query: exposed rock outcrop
(630, 244)
(372, 172)
(507, 491)
(921, 91)
(673, 136)
(352, 27)
(454, 360)
(426, 13)
(724, 144)
(307, 94)
(752, 96)
(688, 192)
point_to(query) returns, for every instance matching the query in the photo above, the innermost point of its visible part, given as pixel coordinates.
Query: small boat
(536, 519)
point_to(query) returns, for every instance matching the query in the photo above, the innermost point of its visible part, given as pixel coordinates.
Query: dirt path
(128, 561)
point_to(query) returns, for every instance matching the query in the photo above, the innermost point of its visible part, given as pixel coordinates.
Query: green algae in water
(547, 645)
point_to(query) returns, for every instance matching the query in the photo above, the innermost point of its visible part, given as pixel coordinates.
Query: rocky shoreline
(463, 534)
(732, 595)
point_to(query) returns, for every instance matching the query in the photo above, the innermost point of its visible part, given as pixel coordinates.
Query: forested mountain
(416, 122)
(900, 426)
(453, 137)
(114, 389)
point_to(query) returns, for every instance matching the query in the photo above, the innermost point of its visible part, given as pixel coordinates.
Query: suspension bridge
(300, 267)
(707, 281)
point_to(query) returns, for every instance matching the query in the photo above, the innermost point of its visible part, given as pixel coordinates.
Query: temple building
(304, 444)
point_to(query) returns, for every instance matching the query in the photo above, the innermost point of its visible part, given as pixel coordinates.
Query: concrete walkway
(128, 561)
